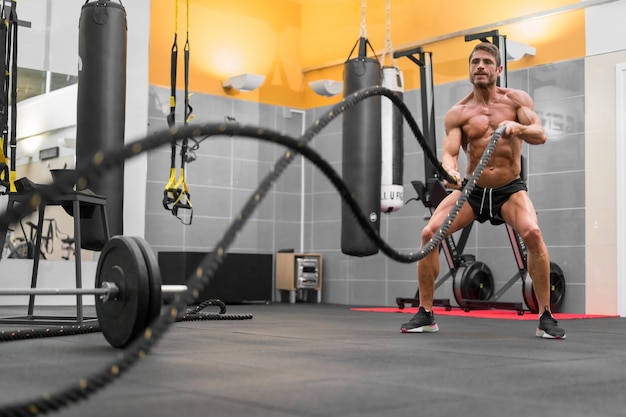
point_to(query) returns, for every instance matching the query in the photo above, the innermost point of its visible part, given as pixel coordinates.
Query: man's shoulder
(455, 114)
(517, 96)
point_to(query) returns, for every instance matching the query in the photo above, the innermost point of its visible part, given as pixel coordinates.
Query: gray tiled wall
(228, 169)
(224, 175)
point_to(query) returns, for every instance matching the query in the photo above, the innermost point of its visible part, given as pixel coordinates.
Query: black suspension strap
(169, 194)
(4, 99)
(176, 197)
(183, 202)
(13, 42)
(8, 34)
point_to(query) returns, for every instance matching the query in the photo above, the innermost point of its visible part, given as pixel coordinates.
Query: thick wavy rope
(205, 272)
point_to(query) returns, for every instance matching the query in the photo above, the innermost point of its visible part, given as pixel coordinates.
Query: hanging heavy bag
(361, 153)
(101, 109)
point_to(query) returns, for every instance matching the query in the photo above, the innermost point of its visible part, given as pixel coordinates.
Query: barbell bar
(107, 291)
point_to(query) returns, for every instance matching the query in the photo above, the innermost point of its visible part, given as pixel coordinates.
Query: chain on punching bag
(101, 108)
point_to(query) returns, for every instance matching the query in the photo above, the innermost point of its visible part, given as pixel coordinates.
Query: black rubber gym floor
(326, 360)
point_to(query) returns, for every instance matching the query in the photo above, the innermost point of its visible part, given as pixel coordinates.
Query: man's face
(483, 71)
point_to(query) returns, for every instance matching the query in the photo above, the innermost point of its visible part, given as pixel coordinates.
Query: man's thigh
(464, 217)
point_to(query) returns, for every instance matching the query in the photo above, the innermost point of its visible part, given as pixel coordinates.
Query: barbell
(128, 289)
(107, 291)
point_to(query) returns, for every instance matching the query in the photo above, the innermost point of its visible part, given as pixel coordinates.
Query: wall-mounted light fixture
(517, 50)
(67, 142)
(327, 88)
(244, 82)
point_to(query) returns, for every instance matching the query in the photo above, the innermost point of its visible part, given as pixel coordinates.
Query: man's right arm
(451, 148)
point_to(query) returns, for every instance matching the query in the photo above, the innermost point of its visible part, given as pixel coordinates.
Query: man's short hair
(489, 48)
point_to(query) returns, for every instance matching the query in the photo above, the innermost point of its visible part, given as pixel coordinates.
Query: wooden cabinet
(299, 271)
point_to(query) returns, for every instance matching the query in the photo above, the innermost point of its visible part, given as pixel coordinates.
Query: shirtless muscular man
(500, 195)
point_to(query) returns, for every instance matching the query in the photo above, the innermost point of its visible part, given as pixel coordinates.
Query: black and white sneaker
(422, 322)
(548, 327)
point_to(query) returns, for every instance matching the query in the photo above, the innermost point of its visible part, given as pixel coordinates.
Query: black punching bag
(361, 153)
(101, 108)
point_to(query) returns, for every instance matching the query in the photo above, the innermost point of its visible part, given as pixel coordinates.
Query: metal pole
(107, 290)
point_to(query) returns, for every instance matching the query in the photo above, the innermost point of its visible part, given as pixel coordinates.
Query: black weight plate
(557, 286)
(123, 318)
(557, 290)
(154, 278)
(457, 283)
(477, 282)
(474, 281)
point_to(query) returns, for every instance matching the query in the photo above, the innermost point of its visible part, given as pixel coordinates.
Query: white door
(620, 137)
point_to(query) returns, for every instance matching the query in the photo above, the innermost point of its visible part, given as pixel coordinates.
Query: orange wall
(229, 38)
(285, 39)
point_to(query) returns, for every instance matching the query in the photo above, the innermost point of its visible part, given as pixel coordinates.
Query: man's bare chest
(480, 121)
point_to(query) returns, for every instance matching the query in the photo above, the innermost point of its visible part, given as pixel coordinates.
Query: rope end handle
(187, 207)
(170, 195)
(449, 178)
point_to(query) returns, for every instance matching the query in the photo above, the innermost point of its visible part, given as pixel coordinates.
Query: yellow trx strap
(4, 163)
(169, 194)
(176, 197)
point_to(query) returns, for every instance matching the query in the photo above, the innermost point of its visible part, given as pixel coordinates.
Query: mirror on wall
(46, 132)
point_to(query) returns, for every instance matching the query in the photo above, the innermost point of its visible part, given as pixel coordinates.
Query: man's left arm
(528, 125)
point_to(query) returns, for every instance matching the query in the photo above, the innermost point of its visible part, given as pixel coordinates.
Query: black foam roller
(361, 156)
(101, 109)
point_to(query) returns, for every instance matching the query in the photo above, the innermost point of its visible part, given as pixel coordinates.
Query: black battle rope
(25, 334)
(212, 302)
(101, 162)
(192, 314)
(200, 316)
(196, 313)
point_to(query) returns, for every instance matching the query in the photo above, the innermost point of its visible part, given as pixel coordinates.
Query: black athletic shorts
(487, 202)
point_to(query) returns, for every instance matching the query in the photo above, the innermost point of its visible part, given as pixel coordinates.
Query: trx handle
(183, 199)
(170, 194)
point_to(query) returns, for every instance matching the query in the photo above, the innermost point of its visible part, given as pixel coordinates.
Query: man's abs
(495, 177)
(503, 166)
